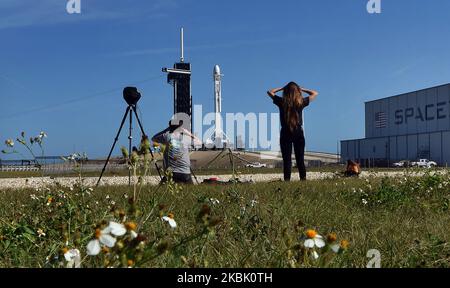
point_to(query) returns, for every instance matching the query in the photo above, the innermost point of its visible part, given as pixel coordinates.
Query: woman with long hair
(291, 107)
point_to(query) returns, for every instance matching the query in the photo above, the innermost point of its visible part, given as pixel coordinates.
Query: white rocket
(218, 132)
(217, 102)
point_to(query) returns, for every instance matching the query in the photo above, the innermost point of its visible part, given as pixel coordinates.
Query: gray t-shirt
(176, 153)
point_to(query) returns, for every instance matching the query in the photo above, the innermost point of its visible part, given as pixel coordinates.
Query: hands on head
(312, 93)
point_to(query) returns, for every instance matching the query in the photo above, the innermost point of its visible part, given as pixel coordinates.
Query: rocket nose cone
(216, 70)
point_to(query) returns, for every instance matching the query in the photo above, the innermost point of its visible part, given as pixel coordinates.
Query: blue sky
(64, 73)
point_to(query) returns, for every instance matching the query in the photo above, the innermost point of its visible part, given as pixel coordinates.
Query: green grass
(406, 220)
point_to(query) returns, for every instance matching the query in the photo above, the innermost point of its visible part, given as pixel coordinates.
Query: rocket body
(218, 134)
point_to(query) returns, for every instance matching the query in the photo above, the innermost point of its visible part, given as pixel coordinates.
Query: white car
(256, 165)
(425, 163)
(402, 163)
(398, 164)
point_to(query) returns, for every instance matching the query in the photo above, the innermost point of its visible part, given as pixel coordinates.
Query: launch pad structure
(180, 78)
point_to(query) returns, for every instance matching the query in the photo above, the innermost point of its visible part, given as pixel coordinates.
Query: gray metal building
(409, 126)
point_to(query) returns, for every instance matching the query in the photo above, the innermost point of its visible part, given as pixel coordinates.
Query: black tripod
(130, 110)
(231, 155)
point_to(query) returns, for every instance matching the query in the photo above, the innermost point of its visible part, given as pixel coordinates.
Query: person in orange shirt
(353, 169)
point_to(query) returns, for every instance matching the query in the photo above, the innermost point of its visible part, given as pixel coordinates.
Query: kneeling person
(353, 169)
(177, 141)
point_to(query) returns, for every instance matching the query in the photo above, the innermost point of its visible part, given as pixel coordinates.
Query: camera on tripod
(131, 95)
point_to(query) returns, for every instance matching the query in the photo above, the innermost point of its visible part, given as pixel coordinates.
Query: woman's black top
(279, 102)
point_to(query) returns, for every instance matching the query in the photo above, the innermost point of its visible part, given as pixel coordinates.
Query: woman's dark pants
(287, 140)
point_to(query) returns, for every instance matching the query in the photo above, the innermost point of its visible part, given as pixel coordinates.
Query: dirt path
(20, 183)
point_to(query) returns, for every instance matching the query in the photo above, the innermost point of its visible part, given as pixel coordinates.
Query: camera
(131, 95)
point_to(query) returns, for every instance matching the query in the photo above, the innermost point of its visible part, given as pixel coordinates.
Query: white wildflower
(170, 219)
(314, 240)
(104, 237)
(73, 258)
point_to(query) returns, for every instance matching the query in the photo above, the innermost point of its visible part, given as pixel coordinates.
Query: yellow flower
(344, 244)
(131, 226)
(311, 234)
(332, 237)
(98, 233)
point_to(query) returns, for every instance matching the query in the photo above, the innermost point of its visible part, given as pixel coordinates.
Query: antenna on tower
(180, 77)
(182, 45)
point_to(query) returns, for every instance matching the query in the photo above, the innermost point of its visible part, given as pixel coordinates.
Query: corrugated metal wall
(405, 127)
(424, 111)
(445, 148)
(434, 146)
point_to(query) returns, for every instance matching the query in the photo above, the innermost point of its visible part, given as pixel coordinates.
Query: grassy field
(253, 225)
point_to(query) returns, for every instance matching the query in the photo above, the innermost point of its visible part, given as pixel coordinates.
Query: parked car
(399, 164)
(256, 165)
(424, 163)
(402, 163)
